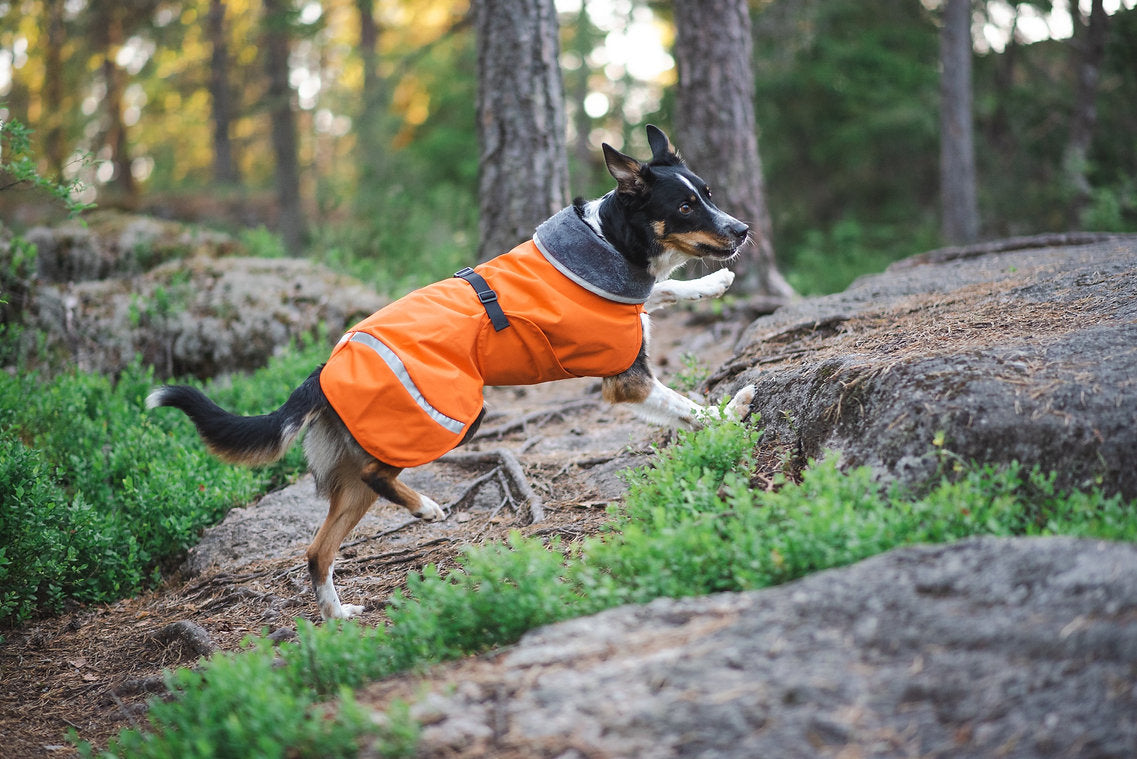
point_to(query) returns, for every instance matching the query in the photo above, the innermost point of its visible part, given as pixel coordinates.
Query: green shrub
(19, 165)
(55, 546)
(337, 655)
(497, 593)
(108, 492)
(828, 260)
(692, 528)
(243, 704)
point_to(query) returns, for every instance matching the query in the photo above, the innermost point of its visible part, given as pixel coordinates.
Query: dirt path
(93, 668)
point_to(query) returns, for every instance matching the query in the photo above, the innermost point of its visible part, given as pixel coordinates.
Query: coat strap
(487, 296)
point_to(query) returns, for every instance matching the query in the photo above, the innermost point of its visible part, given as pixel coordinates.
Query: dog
(404, 386)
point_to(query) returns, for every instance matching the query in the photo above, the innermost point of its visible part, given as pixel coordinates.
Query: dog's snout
(739, 230)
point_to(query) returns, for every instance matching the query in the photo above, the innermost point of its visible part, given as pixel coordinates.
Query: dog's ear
(662, 151)
(631, 175)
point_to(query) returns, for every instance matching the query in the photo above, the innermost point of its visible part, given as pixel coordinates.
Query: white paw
(719, 282)
(429, 511)
(334, 610)
(347, 611)
(337, 611)
(740, 403)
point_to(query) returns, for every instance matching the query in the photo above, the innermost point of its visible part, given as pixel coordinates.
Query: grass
(691, 524)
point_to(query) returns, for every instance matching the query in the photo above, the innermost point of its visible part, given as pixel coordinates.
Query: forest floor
(93, 668)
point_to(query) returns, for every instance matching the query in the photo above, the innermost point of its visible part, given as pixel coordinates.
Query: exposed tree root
(518, 490)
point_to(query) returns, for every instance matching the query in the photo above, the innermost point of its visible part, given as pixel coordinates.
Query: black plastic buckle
(486, 296)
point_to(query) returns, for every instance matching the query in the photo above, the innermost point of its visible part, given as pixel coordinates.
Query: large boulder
(181, 298)
(1025, 355)
(200, 316)
(988, 647)
(111, 244)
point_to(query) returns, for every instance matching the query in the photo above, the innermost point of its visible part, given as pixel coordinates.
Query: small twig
(385, 533)
(390, 556)
(130, 716)
(583, 464)
(119, 705)
(528, 444)
(243, 593)
(489, 519)
(544, 415)
(286, 572)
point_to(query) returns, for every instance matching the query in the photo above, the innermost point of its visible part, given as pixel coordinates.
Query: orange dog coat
(407, 381)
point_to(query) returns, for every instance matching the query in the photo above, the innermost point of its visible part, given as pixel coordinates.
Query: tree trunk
(122, 186)
(55, 145)
(960, 211)
(370, 126)
(224, 169)
(716, 129)
(523, 167)
(1089, 46)
(293, 229)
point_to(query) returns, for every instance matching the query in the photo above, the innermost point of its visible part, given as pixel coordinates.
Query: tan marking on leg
(629, 387)
(348, 503)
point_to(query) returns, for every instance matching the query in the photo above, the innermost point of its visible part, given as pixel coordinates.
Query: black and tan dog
(404, 386)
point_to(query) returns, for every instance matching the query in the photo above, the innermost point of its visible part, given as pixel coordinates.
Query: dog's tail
(249, 440)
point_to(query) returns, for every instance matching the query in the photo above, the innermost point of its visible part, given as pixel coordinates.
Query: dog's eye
(685, 209)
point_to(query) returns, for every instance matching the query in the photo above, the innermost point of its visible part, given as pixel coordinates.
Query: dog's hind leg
(383, 479)
(349, 501)
(351, 495)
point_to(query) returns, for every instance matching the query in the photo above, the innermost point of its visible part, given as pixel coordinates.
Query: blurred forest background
(175, 108)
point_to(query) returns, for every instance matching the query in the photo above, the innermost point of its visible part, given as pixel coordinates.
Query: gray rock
(201, 316)
(987, 647)
(1027, 355)
(111, 244)
(122, 285)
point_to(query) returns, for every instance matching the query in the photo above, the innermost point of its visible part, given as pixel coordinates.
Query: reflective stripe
(396, 365)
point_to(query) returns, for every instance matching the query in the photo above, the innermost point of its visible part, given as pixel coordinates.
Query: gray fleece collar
(578, 252)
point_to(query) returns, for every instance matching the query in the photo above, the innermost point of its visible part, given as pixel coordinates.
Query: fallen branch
(392, 557)
(225, 578)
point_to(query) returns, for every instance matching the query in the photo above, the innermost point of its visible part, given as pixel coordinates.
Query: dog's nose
(739, 230)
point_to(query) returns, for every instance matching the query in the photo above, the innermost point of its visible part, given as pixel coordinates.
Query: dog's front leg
(672, 291)
(655, 402)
